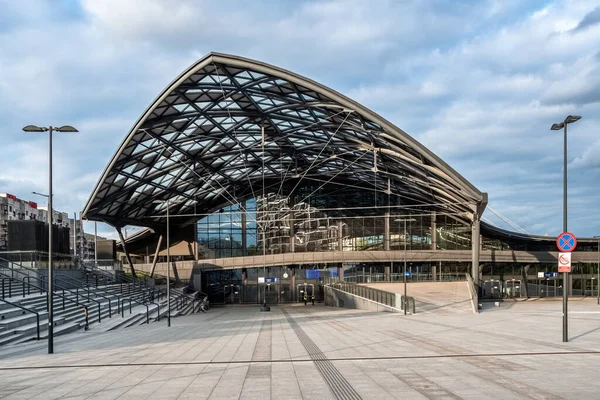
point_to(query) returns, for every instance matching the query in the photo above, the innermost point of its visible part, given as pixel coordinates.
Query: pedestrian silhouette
(305, 299)
(313, 299)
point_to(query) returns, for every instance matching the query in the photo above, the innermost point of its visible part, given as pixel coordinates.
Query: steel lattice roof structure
(229, 126)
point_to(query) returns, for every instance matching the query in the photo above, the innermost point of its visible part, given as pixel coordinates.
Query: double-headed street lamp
(405, 220)
(598, 283)
(168, 204)
(556, 127)
(50, 129)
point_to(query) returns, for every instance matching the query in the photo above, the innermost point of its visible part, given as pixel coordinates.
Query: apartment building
(15, 209)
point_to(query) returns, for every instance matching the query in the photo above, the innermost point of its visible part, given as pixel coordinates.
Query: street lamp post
(50, 129)
(556, 127)
(168, 262)
(405, 220)
(598, 282)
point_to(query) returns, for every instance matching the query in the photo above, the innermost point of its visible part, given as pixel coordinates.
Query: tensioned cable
(321, 152)
(408, 207)
(234, 131)
(508, 221)
(333, 177)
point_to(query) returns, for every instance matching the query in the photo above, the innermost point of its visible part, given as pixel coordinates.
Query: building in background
(84, 242)
(15, 209)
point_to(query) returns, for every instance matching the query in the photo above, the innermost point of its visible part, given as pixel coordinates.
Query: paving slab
(514, 351)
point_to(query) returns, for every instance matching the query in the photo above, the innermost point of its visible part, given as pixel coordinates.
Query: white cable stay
(508, 221)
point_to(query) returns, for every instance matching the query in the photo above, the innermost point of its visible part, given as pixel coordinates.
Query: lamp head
(572, 118)
(66, 128)
(34, 128)
(557, 127)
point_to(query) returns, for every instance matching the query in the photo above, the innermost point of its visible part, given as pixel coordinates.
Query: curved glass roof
(229, 128)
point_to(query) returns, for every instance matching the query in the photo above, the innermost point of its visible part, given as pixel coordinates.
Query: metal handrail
(176, 293)
(377, 295)
(37, 315)
(12, 269)
(76, 301)
(96, 293)
(141, 304)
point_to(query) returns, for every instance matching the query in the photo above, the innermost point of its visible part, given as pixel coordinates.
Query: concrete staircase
(18, 325)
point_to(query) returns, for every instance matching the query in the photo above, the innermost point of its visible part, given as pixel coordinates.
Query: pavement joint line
(302, 360)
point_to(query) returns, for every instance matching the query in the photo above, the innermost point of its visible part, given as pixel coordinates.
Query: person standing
(305, 299)
(313, 299)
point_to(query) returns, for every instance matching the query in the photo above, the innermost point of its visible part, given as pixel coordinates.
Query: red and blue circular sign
(566, 242)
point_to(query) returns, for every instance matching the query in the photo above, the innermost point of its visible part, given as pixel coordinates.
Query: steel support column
(244, 228)
(120, 232)
(386, 238)
(156, 256)
(340, 270)
(475, 250)
(292, 236)
(433, 231)
(340, 227)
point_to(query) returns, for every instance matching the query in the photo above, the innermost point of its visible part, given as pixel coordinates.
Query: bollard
(85, 312)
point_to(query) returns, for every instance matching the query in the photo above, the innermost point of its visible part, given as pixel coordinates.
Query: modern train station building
(252, 179)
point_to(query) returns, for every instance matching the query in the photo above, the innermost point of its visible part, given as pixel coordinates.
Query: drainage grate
(338, 385)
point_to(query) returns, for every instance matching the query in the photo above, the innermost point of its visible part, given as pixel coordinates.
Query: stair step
(12, 312)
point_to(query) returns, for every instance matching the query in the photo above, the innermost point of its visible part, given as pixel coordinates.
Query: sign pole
(566, 243)
(565, 274)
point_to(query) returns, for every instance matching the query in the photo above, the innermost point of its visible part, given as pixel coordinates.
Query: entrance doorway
(305, 288)
(512, 288)
(492, 289)
(272, 292)
(231, 294)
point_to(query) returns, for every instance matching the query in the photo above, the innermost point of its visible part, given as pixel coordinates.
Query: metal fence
(395, 300)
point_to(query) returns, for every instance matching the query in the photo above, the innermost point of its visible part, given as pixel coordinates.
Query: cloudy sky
(478, 82)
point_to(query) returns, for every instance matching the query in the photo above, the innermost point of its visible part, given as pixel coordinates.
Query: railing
(376, 295)
(179, 296)
(37, 315)
(77, 281)
(473, 293)
(85, 306)
(44, 282)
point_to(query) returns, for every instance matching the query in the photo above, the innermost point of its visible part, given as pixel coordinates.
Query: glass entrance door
(491, 289)
(231, 294)
(305, 289)
(512, 288)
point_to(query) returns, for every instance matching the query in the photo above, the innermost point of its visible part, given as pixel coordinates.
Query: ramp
(434, 297)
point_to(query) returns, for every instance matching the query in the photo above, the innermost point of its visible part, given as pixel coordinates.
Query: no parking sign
(566, 243)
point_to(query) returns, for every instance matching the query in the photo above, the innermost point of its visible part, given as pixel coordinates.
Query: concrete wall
(338, 298)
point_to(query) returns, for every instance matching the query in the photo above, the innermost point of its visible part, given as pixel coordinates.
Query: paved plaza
(315, 352)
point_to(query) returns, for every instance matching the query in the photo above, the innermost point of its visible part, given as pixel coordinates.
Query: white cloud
(478, 83)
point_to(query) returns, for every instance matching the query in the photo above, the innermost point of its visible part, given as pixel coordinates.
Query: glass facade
(275, 224)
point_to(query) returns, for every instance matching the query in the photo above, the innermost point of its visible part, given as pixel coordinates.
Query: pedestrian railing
(37, 315)
(395, 300)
